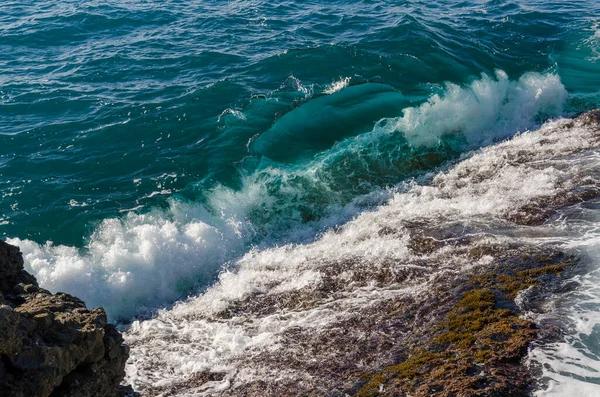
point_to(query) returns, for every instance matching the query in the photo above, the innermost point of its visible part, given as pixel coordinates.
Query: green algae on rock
(478, 348)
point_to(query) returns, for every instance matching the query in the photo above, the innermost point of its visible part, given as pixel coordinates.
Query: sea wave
(141, 261)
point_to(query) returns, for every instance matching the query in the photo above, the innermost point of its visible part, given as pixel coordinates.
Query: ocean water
(152, 152)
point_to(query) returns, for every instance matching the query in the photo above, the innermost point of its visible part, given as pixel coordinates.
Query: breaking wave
(138, 262)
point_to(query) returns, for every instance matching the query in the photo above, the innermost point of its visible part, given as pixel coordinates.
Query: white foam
(234, 112)
(75, 203)
(337, 85)
(138, 261)
(486, 110)
(573, 365)
(483, 188)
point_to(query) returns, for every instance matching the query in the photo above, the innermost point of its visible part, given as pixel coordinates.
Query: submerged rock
(51, 344)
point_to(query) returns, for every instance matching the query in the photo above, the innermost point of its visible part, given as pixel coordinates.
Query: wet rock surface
(478, 341)
(463, 337)
(51, 344)
(435, 301)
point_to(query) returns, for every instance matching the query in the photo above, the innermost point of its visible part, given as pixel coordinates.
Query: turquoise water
(145, 146)
(160, 140)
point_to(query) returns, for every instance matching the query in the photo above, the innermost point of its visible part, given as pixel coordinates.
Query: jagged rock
(52, 345)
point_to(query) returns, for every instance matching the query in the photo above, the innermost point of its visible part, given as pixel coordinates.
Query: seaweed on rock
(477, 349)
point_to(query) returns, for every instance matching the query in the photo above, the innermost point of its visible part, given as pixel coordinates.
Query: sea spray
(486, 111)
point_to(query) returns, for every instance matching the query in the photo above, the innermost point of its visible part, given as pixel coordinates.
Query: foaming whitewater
(571, 365)
(267, 319)
(489, 109)
(141, 261)
(138, 260)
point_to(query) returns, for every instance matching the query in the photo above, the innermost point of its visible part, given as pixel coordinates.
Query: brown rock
(52, 345)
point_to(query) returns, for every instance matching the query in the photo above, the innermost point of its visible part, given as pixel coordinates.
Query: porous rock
(51, 344)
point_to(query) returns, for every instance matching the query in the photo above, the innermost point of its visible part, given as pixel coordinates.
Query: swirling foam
(571, 366)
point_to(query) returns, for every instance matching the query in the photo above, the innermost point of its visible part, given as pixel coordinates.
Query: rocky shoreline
(439, 300)
(440, 311)
(51, 344)
(478, 344)
(465, 337)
